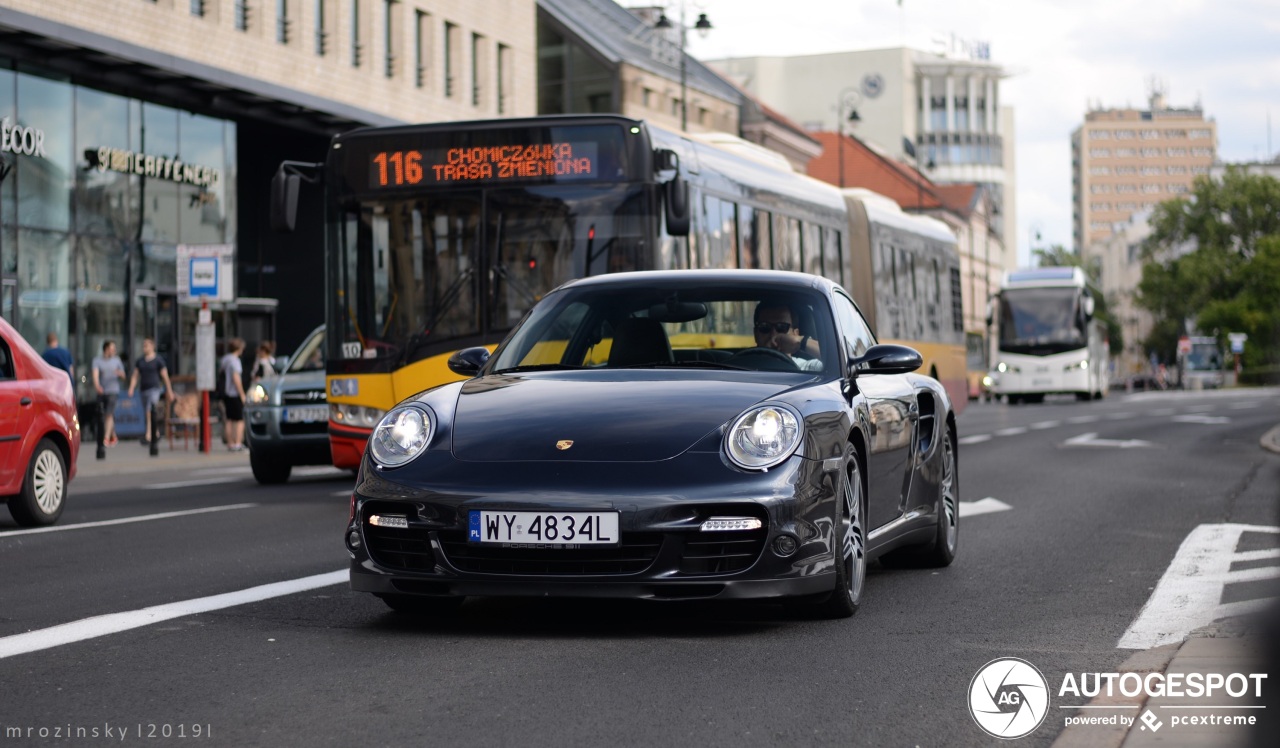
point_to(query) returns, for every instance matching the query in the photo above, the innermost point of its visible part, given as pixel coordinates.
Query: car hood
(621, 416)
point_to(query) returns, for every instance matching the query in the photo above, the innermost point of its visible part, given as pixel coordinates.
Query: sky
(1062, 56)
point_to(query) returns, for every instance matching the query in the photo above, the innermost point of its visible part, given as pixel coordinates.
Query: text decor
(174, 169)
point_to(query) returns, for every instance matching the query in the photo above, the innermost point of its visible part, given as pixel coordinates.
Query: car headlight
(355, 415)
(401, 435)
(258, 394)
(763, 437)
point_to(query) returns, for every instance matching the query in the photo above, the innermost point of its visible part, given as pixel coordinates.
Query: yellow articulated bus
(906, 279)
(440, 237)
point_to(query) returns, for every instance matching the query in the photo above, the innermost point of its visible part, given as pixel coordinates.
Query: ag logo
(1008, 698)
(872, 85)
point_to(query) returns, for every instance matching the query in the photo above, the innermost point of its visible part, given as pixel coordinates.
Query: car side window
(6, 361)
(854, 333)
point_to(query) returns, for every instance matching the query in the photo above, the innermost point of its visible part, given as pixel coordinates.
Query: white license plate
(306, 414)
(543, 528)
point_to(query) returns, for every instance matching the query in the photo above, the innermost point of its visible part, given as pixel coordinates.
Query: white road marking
(342, 493)
(982, 506)
(1012, 431)
(976, 439)
(1164, 412)
(1118, 416)
(1188, 595)
(1199, 408)
(1244, 406)
(1041, 425)
(313, 470)
(1082, 419)
(112, 623)
(1091, 440)
(125, 520)
(191, 483)
(1202, 419)
(222, 471)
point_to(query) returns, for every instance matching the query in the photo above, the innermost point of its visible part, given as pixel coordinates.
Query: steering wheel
(765, 359)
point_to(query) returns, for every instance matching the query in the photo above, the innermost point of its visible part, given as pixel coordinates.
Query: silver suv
(288, 415)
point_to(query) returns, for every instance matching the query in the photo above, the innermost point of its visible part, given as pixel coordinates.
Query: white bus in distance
(1047, 340)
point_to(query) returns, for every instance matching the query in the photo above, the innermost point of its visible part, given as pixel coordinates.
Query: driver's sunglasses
(764, 328)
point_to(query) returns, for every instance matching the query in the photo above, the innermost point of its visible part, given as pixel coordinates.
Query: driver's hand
(787, 342)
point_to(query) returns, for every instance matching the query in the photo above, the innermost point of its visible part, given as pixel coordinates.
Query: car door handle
(25, 401)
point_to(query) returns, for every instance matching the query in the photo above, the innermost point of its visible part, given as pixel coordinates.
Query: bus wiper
(538, 367)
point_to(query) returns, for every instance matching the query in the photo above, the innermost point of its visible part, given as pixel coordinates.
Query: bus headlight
(401, 435)
(763, 437)
(355, 415)
(1078, 365)
(1001, 367)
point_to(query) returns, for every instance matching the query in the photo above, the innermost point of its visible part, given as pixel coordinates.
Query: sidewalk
(131, 457)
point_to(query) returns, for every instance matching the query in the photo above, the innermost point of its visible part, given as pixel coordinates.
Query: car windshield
(726, 327)
(309, 356)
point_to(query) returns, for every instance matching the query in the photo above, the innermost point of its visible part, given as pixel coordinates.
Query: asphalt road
(1057, 578)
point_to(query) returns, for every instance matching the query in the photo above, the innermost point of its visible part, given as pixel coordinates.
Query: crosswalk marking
(1189, 595)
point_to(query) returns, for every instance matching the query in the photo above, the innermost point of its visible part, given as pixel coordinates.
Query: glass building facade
(98, 192)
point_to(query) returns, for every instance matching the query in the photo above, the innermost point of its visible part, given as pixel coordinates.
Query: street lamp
(1033, 236)
(849, 100)
(703, 27)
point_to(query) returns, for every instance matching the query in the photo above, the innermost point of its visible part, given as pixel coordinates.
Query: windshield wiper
(538, 367)
(684, 365)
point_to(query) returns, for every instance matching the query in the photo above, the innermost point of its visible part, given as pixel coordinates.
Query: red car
(39, 432)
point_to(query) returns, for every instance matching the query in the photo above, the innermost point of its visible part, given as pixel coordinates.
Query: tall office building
(1127, 160)
(946, 106)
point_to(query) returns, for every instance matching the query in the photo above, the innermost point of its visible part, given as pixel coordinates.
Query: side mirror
(1088, 308)
(677, 207)
(468, 361)
(284, 200)
(282, 363)
(666, 165)
(886, 359)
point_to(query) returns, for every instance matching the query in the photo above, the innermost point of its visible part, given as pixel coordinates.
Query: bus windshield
(418, 275)
(1041, 321)
(1204, 357)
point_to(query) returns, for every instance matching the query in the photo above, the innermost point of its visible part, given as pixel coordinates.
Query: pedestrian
(108, 372)
(265, 366)
(151, 372)
(233, 394)
(59, 357)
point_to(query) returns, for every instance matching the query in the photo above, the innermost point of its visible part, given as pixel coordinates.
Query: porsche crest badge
(564, 444)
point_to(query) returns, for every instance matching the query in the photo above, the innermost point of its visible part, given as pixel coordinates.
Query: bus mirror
(666, 165)
(1088, 308)
(284, 200)
(677, 207)
(992, 303)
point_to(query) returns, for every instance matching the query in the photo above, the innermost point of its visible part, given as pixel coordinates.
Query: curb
(1154, 660)
(140, 461)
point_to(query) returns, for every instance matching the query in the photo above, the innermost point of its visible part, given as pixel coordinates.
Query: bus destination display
(558, 161)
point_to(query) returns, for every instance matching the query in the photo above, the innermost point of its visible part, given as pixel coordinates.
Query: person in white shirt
(776, 328)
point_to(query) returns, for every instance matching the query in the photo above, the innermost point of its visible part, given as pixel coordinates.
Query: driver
(775, 328)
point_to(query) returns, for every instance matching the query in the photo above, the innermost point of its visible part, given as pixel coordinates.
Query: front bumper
(663, 554)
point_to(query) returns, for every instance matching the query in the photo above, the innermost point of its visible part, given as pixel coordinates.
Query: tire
(941, 551)
(416, 605)
(44, 489)
(850, 537)
(268, 471)
(1084, 396)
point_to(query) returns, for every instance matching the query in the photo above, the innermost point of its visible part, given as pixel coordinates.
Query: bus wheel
(1014, 399)
(1083, 396)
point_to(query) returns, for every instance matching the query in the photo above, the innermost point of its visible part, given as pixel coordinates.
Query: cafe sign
(159, 167)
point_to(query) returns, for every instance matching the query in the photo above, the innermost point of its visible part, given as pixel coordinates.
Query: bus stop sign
(1237, 341)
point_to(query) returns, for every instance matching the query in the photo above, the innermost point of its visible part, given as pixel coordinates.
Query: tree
(1059, 256)
(1213, 261)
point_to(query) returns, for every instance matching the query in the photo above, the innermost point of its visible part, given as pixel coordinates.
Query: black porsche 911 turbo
(695, 434)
